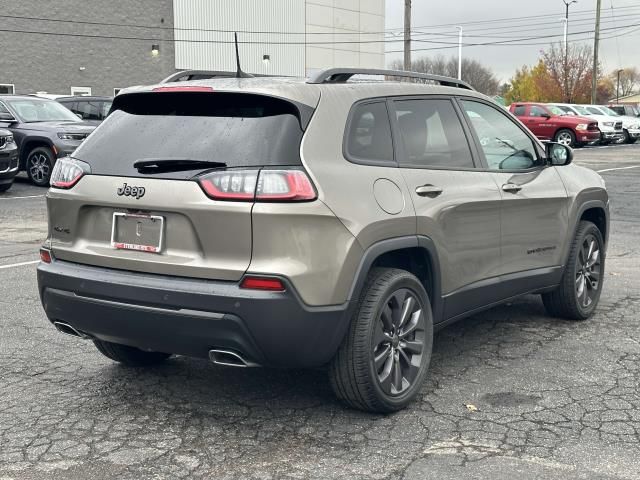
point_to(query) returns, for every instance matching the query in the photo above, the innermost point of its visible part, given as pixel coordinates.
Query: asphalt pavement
(511, 392)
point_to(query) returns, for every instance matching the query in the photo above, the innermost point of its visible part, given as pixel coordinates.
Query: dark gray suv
(44, 131)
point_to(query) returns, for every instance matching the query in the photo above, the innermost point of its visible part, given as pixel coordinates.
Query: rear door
(111, 214)
(457, 205)
(534, 214)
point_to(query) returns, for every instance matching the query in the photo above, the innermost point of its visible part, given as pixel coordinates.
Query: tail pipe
(69, 330)
(229, 359)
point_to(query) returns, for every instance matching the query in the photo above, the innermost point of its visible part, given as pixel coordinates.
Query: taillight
(67, 172)
(45, 255)
(262, 186)
(262, 283)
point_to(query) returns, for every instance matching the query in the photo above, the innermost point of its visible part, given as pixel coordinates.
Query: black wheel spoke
(413, 346)
(412, 326)
(382, 357)
(397, 375)
(407, 310)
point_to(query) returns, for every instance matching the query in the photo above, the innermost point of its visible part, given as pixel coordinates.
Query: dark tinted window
(505, 145)
(520, 110)
(239, 130)
(369, 135)
(432, 135)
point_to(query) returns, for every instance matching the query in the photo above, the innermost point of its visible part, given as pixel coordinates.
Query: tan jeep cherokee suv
(296, 223)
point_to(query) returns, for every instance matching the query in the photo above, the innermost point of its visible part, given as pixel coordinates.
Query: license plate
(137, 232)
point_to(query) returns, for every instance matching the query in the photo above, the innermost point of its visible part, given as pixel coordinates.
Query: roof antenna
(239, 72)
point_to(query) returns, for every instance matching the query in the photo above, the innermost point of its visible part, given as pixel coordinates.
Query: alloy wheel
(565, 138)
(398, 342)
(588, 271)
(39, 167)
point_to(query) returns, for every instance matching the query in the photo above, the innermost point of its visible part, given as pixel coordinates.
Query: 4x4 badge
(129, 191)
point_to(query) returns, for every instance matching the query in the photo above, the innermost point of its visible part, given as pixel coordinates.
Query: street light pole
(567, 4)
(618, 86)
(459, 53)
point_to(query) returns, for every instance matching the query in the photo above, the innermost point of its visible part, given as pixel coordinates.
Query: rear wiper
(160, 165)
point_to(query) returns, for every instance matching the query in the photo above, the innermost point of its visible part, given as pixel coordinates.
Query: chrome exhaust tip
(69, 330)
(229, 359)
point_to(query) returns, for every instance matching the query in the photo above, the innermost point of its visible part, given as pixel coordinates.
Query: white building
(279, 37)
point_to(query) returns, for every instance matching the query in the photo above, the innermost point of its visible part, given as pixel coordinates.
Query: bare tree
(574, 76)
(629, 80)
(473, 72)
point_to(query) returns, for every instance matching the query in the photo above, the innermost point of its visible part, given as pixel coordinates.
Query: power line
(265, 32)
(513, 43)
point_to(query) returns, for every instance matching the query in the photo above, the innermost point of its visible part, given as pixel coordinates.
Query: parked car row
(41, 130)
(577, 125)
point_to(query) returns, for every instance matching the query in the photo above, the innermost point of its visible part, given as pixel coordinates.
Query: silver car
(285, 222)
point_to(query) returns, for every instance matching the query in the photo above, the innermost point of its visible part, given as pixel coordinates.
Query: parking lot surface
(511, 392)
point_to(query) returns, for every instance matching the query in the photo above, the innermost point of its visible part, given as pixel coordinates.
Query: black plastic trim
(399, 243)
(191, 316)
(492, 291)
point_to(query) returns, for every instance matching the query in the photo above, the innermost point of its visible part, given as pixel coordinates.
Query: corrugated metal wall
(201, 27)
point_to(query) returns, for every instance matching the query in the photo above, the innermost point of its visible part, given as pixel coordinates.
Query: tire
(567, 301)
(39, 166)
(129, 356)
(353, 374)
(566, 137)
(628, 138)
(5, 186)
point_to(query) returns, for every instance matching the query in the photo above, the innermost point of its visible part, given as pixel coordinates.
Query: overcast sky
(505, 59)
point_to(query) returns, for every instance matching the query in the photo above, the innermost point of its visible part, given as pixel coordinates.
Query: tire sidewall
(408, 282)
(49, 154)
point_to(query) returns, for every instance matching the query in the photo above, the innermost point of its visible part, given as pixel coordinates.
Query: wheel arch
(416, 254)
(595, 211)
(29, 144)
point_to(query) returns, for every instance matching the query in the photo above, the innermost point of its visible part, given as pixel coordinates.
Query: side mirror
(546, 115)
(7, 117)
(558, 154)
(79, 116)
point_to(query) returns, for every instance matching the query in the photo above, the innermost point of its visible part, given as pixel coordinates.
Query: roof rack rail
(185, 75)
(342, 75)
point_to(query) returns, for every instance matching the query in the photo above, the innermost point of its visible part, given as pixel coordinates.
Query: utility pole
(407, 34)
(459, 53)
(567, 4)
(596, 44)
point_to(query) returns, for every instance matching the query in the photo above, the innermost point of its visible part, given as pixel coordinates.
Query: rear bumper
(191, 316)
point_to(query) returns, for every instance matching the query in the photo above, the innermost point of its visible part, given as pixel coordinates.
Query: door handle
(511, 188)
(428, 191)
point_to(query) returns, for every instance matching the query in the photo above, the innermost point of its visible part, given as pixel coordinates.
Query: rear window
(239, 130)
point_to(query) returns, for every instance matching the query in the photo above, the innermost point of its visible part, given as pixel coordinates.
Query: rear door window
(368, 138)
(431, 134)
(234, 129)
